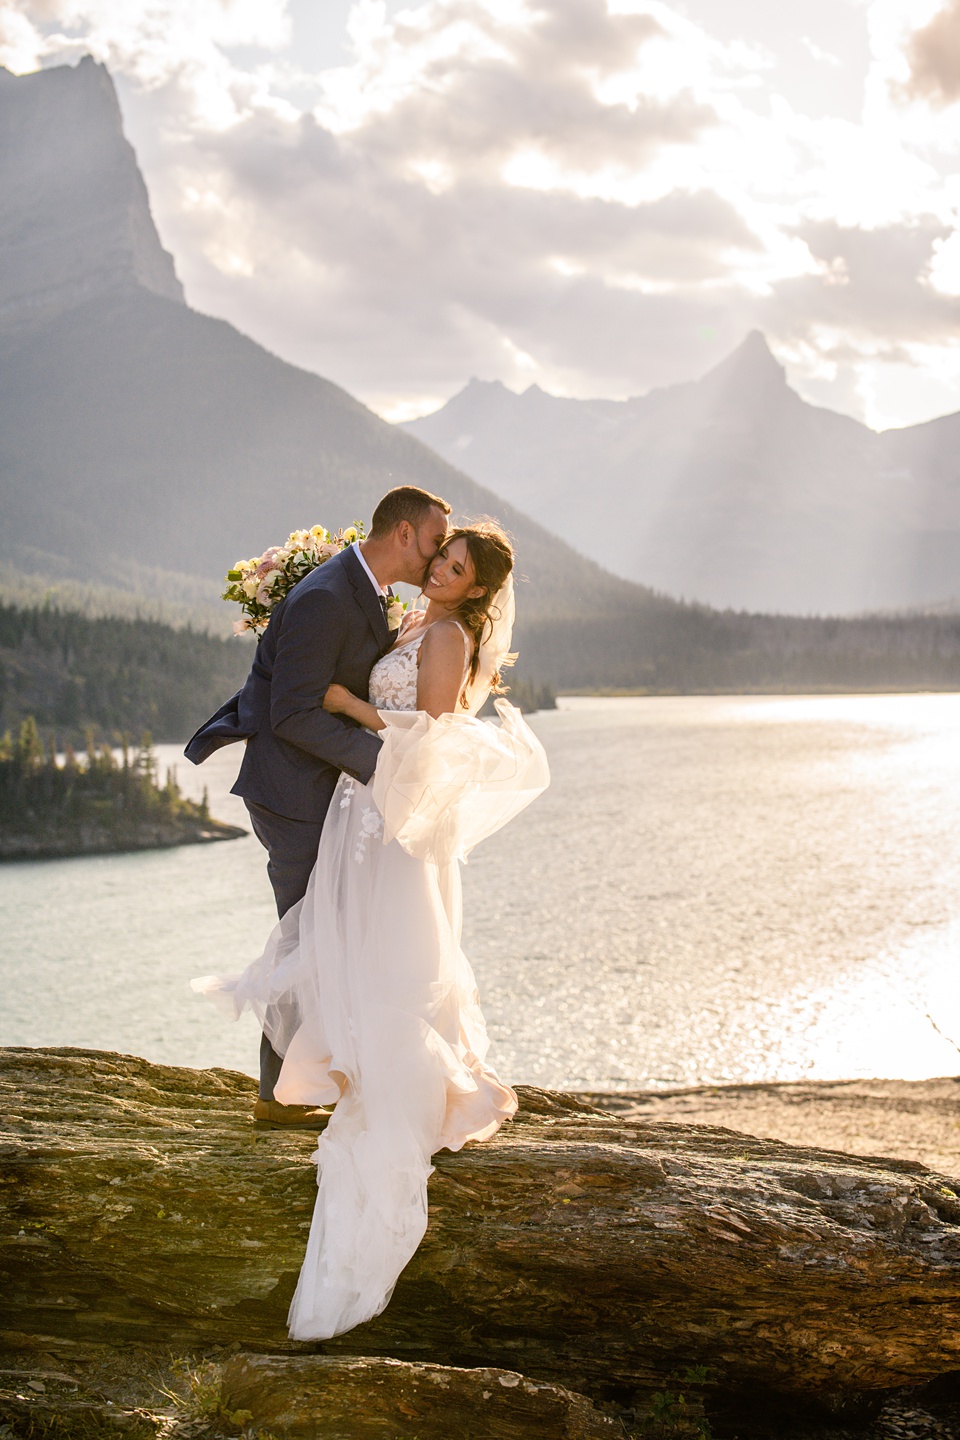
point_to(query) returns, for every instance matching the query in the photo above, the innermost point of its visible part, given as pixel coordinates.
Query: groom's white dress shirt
(380, 589)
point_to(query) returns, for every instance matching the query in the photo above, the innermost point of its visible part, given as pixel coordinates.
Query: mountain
(730, 489)
(144, 447)
(75, 221)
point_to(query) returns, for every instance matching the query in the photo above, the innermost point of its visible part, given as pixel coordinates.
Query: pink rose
(266, 563)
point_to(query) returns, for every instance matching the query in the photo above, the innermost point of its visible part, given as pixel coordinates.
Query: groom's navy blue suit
(331, 628)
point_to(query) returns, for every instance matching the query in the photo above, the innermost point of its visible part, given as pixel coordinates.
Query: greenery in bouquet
(259, 585)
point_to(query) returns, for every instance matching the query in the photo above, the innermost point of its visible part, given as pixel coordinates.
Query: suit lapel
(367, 598)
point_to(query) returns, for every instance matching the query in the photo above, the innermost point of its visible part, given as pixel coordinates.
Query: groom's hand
(337, 699)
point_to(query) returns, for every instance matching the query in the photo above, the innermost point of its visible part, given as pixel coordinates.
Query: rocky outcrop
(309, 1398)
(321, 1398)
(75, 221)
(581, 1249)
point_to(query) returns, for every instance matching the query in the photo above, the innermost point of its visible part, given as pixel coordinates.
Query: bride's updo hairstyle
(492, 556)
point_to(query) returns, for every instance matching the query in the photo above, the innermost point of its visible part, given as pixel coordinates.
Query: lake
(712, 890)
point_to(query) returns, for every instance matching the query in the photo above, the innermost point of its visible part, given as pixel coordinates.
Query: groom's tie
(384, 605)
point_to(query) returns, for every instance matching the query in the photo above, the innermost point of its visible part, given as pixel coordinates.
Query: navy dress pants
(291, 847)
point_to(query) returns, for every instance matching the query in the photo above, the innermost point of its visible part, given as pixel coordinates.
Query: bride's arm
(439, 680)
(340, 701)
(440, 676)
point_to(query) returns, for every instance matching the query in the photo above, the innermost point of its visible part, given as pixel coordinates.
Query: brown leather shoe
(271, 1114)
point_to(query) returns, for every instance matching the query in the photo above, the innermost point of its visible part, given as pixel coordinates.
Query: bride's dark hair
(492, 554)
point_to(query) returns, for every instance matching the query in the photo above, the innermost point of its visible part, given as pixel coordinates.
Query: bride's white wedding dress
(365, 991)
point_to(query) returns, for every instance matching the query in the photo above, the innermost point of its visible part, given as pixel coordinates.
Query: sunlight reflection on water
(712, 890)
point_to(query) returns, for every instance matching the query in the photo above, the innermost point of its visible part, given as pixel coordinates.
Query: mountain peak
(753, 363)
(76, 219)
(755, 343)
(475, 385)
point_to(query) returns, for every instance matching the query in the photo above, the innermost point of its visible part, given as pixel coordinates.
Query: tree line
(690, 649)
(126, 676)
(119, 676)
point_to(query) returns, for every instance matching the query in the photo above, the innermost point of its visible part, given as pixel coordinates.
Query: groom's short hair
(406, 502)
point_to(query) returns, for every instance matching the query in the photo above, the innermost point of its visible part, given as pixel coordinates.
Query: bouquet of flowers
(260, 584)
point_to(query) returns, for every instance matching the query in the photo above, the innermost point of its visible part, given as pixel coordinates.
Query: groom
(332, 627)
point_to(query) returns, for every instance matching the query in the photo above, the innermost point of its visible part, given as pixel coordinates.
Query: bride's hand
(338, 699)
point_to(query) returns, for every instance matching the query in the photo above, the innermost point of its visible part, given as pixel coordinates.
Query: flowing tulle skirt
(364, 990)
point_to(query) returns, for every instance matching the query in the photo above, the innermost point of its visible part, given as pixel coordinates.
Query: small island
(97, 803)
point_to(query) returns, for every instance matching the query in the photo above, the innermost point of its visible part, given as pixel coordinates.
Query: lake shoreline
(912, 1120)
(96, 840)
(792, 692)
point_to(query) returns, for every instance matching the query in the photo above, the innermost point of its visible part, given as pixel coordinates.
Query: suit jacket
(330, 628)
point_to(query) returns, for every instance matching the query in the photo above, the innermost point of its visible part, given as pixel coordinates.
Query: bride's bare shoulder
(443, 644)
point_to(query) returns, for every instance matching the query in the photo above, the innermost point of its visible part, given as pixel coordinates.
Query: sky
(596, 196)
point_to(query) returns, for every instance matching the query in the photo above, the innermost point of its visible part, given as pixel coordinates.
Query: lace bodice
(393, 680)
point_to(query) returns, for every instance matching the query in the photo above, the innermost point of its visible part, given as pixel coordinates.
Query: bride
(363, 987)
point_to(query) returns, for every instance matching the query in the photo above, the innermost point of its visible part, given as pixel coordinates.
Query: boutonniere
(396, 609)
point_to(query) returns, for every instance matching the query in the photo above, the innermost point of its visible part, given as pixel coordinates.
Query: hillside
(116, 677)
(731, 490)
(178, 444)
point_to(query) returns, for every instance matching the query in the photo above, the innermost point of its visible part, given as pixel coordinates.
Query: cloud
(20, 45)
(872, 287)
(405, 280)
(933, 56)
(182, 42)
(597, 196)
(389, 234)
(870, 333)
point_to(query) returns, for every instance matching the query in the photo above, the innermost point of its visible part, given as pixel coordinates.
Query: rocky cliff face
(75, 221)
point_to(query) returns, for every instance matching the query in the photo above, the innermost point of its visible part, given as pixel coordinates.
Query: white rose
(396, 610)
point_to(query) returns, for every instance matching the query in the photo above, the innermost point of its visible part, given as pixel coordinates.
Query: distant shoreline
(791, 692)
(94, 840)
